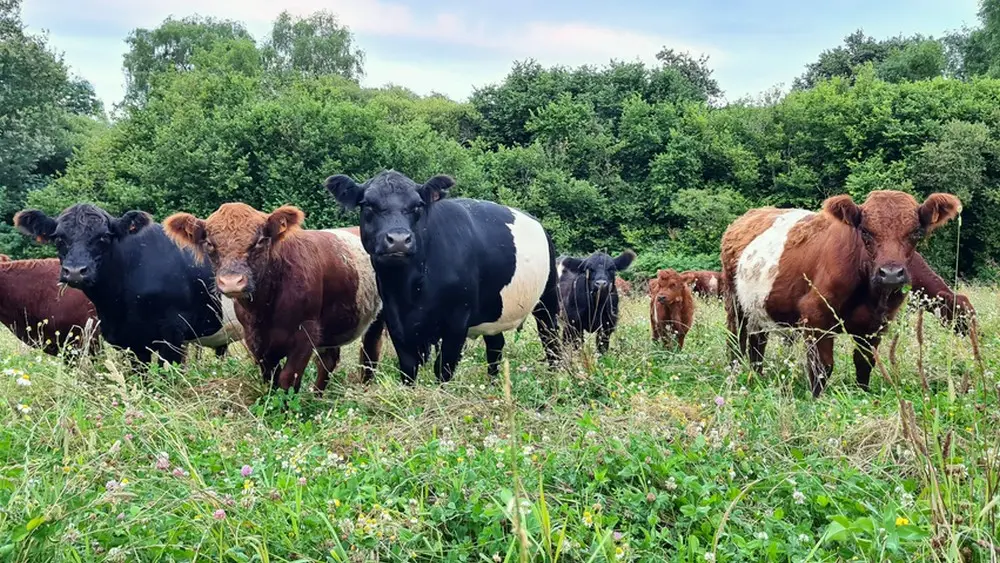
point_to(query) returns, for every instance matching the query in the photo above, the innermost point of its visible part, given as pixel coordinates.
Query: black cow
(451, 269)
(588, 297)
(150, 296)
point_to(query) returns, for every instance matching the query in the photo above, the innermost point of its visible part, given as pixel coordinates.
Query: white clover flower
(799, 497)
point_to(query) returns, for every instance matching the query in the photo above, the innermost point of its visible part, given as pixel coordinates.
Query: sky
(452, 47)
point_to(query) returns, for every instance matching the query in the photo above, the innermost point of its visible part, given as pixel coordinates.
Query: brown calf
(623, 286)
(840, 269)
(295, 291)
(671, 307)
(705, 283)
(41, 313)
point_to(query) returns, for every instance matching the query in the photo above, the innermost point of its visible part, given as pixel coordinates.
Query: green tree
(171, 47)
(313, 45)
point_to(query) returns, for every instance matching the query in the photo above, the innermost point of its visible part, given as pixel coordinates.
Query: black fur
(150, 295)
(588, 297)
(440, 265)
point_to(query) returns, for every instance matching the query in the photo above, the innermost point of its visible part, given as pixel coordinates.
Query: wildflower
(111, 486)
(900, 521)
(67, 469)
(619, 552)
(10, 372)
(762, 536)
(228, 500)
(163, 461)
(650, 497)
(496, 558)
(121, 516)
(588, 518)
(302, 481)
(671, 484)
(246, 470)
(719, 401)
(804, 538)
(178, 472)
(23, 408)
(24, 380)
(123, 483)
(219, 514)
(709, 557)
(799, 497)
(618, 536)
(247, 485)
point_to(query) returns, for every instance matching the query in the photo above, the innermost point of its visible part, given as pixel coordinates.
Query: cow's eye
(866, 235)
(209, 247)
(261, 242)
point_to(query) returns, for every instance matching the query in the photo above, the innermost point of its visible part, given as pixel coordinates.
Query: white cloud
(568, 43)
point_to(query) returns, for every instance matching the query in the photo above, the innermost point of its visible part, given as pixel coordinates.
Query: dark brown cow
(296, 291)
(704, 282)
(671, 307)
(623, 286)
(952, 306)
(41, 313)
(840, 269)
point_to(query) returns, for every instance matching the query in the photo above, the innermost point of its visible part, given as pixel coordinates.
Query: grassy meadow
(640, 455)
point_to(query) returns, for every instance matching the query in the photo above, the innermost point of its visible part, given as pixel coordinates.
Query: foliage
(44, 113)
(622, 155)
(314, 45)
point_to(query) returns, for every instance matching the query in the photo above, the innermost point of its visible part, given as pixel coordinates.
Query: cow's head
(393, 211)
(599, 270)
(238, 241)
(668, 288)
(83, 235)
(890, 224)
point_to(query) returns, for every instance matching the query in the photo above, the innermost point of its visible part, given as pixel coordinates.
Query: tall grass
(642, 454)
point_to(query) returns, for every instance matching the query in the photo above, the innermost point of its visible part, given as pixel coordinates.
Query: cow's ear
(346, 191)
(35, 223)
(436, 188)
(573, 264)
(938, 209)
(186, 230)
(131, 223)
(843, 209)
(282, 220)
(624, 260)
(653, 286)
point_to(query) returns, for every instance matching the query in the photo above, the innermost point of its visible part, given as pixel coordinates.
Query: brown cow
(41, 313)
(704, 282)
(623, 286)
(671, 307)
(840, 269)
(937, 296)
(296, 291)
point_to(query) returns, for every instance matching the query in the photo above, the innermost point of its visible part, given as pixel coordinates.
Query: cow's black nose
(398, 242)
(72, 274)
(892, 276)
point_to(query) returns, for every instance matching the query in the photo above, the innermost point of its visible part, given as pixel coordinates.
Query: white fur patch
(367, 299)
(713, 284)
(757, 268)
(231, 330)
(531, 272)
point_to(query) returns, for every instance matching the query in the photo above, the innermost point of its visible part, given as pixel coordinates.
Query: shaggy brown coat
(671, 308)
(296, 291)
